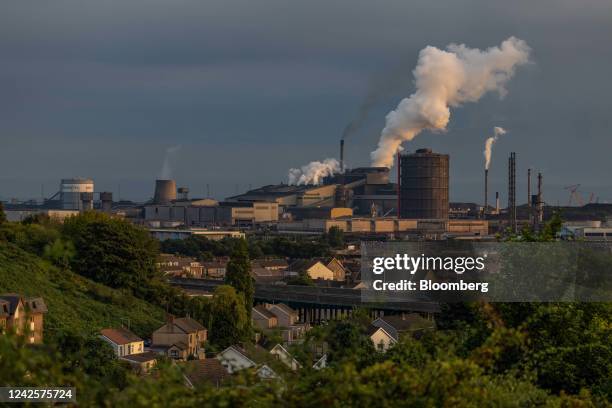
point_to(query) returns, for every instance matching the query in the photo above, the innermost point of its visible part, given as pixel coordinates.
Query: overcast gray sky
(251, 88)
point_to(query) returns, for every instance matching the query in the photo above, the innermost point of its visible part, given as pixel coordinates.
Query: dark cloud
(250, 89)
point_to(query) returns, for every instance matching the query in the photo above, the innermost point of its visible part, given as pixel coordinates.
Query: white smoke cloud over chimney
(446, 79)
(314, 172)
(497, 132)
(166, 171)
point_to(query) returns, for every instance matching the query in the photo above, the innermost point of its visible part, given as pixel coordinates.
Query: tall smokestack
(399, 185)
(342, 155)
(540, 203)
(529, 209)
(486, 193)
(512, 191)
(497, 202)
(529, 188)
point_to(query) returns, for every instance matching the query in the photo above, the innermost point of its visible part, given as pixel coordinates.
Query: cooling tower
(165, 191)
(423, 190)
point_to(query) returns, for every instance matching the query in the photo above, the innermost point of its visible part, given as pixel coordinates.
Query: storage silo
(165, 191)
(71, 191)
(106, 199)
(423, 185)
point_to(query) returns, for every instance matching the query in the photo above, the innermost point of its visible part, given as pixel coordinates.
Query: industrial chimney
(497, 202)
(342, 155)
(486, 193)
(512, 192)
(165, 191)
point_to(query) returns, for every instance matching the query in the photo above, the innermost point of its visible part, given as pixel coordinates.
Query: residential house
(214, 269)
(286, 316)
(271, 264)
(285, 357)
(180, 338)
(123, 341)
(236, 358)
(263, 318)
(340, 272)
(142, 363)
(176, 265)
(24, 316)
(208, 371)
(287, 321)
(268, 270)
(313, 268)
(320, 363)
(398, 325)
(381, 339)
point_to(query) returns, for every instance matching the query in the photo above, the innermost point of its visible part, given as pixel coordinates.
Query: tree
(112, 251)
(2, 214)
(229, 320)
(348, 341)
(335, 237)
(238, 274)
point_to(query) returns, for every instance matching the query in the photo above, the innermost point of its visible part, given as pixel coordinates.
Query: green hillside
(75, 303)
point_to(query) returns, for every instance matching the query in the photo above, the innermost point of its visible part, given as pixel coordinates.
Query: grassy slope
(75, 303)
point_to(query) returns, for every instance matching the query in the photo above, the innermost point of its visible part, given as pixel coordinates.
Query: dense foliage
(258, 247)
(504, 354)
(238, 275)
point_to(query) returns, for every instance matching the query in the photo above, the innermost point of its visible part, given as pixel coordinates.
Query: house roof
(254, 353)
(120, 335)
(181, 345)
(407, 322)
(261, 309)
(286, 309)
(142, 357)
(373, 329)
(209, 370)
(270, 263)
(214, 264)
(335, 265)
(302, 265)
(11, 300)
(187, 324)
(36, 305)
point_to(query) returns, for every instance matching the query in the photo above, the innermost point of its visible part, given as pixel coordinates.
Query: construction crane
(574, 194)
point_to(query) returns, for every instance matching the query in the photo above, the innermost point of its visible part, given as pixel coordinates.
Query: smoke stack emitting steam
(166, 172)
(314, 172)
(497, 132)
(447, 79)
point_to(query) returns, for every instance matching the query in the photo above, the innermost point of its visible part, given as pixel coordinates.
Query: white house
(285, 357)
(123, 341)
(381, 339)
(235, 358)
(321, 363)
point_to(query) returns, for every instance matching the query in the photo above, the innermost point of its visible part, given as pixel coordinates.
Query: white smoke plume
(497, 132)
(446, 79)
(314, 172)
(166, 171)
